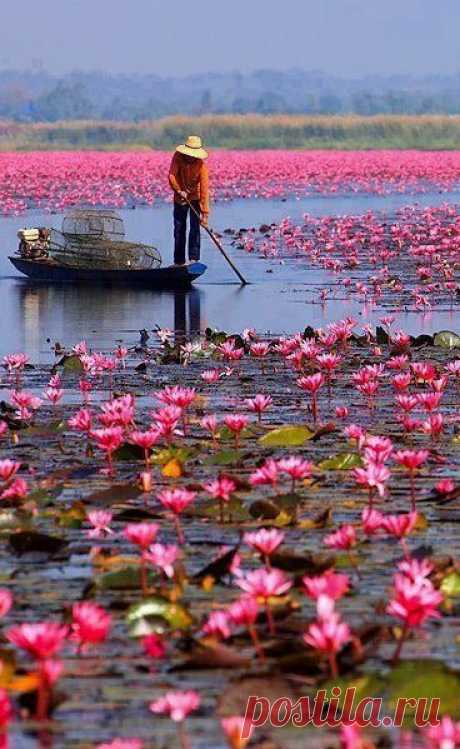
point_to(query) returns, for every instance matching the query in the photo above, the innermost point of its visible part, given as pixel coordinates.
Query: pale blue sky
(179, 37)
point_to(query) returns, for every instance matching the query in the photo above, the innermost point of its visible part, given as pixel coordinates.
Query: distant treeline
(38, 96)
(240, 131)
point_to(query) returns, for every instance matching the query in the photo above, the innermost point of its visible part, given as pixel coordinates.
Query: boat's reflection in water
(102, 316)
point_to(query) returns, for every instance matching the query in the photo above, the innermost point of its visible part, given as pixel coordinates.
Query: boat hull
(169, 277)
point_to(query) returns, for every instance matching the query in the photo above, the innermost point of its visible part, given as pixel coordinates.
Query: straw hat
(193, 147)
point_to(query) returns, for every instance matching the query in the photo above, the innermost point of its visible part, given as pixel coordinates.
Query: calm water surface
(278, 301)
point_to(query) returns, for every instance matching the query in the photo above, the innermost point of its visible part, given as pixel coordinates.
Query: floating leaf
(126, 451)
(71, 363)
(424, 678)
(151, 614)
(212, 654)
(182, 454)
(73, 516)
(224, 458)
(7, 667)
(218, 568)
(341, 462)
(450, 585)
(115, 494)
(26, 542)
(287, 436)
(172, 469)
(126, 578)
(447, 339)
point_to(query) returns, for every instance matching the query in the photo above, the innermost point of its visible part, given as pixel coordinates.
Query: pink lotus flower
(445, 486)
(221, 489)
(177, 500)
(414, 603)
(233, 730)
(372, 521)
(90, 624)
(154, 646)
(229, 350)
(399, 525)
(15, 361)
(181, 397)
(264, 541)
(341, 412)
(236, 423)
(178, 705)
(54, 395)
(412, 460)
(415, 569)
(108, 440)
(312, 384)
(82, 421)
(373, 476)
(41, 639)
(163, 557)
(18, 489)
(141, 534)
(218, 625)
(118, 412)
(166, 421)
(344, 538)
(329, 633)
(6, 601)
(210, 424)
(434, 425)
(263, 583)
(210, 376)
(268, 474)
(259, 404)
(100, 520)
(8, 468)
(259, 349)
(6, 712)
(446, 735)
(297, 468)
(334, 585)
(145, 440)
(244, 611)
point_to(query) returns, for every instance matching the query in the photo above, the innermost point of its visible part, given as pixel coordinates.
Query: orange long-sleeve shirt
(191, 177)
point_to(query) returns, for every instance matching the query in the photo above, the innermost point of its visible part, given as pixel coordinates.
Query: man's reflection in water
(187, 326)
(69, 313)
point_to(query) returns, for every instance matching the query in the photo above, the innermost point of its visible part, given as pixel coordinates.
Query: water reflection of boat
(91, 249)
(68, 314)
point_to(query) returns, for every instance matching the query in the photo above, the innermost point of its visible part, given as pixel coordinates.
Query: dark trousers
(180, 232)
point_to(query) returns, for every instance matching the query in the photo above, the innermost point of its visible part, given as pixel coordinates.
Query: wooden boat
(91, 249)
(167, 277)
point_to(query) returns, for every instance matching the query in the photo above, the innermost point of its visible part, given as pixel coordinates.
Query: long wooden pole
(219, 246)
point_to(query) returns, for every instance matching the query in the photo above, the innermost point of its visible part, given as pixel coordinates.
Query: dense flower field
(408, 260)
(56, 180)
(188, 524)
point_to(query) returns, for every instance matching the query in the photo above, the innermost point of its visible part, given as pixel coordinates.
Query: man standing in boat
(188, 177)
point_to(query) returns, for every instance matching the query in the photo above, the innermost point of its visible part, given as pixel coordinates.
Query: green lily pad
(152, 614)
(287, 436)
(125, 578)
(341, 462)
(224, 458)
(450, 585)
(71, 363)
(447, 339)
(424, 678)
